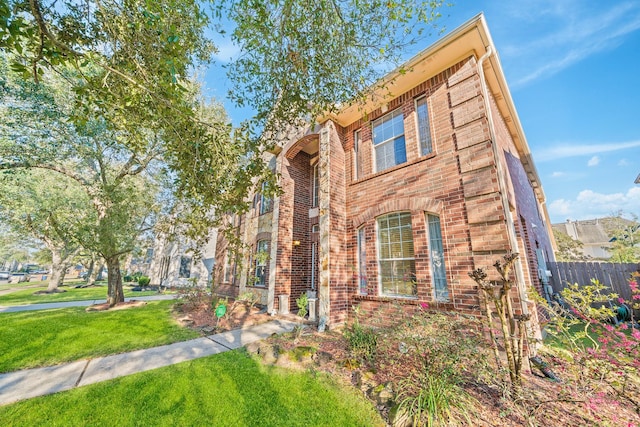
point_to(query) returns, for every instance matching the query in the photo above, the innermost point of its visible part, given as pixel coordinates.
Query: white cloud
(558, 174)
(594, 161)
(624, 162)
(576, 34)
(226, 51)
(588, 205)
(565, 150)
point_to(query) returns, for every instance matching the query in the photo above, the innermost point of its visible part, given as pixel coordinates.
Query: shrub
(143, 281)
(302, 302)
(362, 340)
(604, 354)
(192, 297)
(436, 353)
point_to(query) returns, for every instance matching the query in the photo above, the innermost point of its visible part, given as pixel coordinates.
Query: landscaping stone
(399, 417)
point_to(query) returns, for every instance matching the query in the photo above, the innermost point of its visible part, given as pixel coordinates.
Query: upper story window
(424, 131)
(357, 150)
(388, 140)
(396, 260)
(263, 204)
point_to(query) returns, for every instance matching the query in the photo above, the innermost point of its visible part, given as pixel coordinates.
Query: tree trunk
(115, 292)
(90, 271)
(58, 270)
(95, 272)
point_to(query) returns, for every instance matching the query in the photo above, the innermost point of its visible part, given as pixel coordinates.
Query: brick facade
(473, 181)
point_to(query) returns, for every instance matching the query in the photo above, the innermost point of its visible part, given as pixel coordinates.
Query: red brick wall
(293, 271)
(340, 283)
(458, 182)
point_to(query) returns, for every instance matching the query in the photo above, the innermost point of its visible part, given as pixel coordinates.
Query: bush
(144, 281)
(438, 353)
(302, 302)
(362, 340)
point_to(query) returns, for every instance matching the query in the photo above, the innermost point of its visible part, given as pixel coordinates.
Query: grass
(228, 389)
(48, 337)
(26, 296)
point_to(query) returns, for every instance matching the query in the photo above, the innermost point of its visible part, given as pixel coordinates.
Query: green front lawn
(228, 389)
(48, 337)
(26, 296)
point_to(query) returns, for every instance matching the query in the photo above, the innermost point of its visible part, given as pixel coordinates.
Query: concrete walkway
(85, 303)
(20, 385)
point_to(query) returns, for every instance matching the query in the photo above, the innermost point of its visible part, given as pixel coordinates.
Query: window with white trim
(260, 260)
(262, 203)
(436, 256)
(424, 131)
(357, 152)
(362, 262)
(388, 140)
(396, 259)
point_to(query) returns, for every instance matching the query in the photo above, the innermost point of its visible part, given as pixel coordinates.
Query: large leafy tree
(130, 61)
(93, 189)
(303, 58)
(48, 208)
(568, 249)
(625, 238)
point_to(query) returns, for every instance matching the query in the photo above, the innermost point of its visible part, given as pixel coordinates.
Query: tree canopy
(129, 65)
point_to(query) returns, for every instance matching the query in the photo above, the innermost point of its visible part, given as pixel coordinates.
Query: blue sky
(573, 68)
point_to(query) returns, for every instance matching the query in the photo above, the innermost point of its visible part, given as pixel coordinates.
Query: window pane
(436, 254)
(399, 150)
(396, 257)
(261, 257)
(362, 263)
(388, 139)
(424, 133)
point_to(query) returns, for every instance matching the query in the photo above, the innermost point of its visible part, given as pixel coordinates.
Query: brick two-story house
(399, 198)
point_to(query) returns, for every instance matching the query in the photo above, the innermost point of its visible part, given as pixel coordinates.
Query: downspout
(501, 184)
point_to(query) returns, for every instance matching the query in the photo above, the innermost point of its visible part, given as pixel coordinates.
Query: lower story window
(396, 260)
(185, 267)
(436, 254)
(262, 255)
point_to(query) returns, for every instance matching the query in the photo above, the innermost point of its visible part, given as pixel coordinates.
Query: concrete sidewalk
(20, 385)
(85, 303)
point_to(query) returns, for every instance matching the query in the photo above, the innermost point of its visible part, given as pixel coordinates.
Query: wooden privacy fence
(612, 275)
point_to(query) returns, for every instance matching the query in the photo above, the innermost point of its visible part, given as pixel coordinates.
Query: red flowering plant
(601, 338)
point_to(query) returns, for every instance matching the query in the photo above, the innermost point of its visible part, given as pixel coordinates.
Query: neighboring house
(400, 198)
(593, 235)
(173, 262)
(597, 235)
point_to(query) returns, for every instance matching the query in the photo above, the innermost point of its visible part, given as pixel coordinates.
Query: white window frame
(421, 150)
(381, 291)
(437, 261)
(384, 143)
(362, 260)
(258, 264)
(357, 140)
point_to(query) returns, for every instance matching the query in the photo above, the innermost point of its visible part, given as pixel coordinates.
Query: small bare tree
(497, 293)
